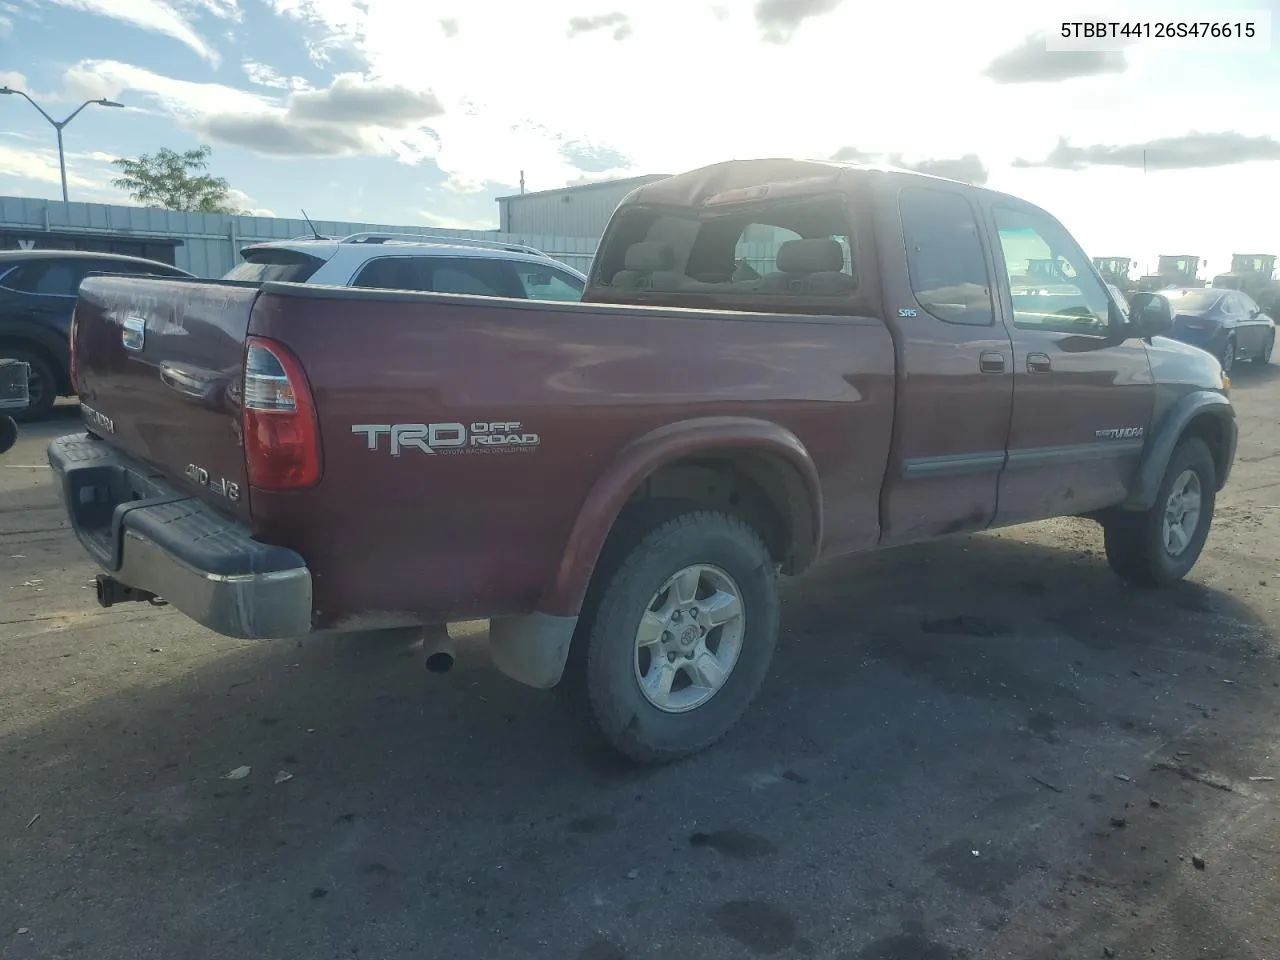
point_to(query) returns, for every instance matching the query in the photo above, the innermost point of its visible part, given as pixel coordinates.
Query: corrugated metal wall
(211, 242)
(582, 211)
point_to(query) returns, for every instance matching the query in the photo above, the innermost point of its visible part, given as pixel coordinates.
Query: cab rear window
(798, 249)
(270, 265)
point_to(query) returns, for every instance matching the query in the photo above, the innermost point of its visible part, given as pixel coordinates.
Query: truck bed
(550, 399)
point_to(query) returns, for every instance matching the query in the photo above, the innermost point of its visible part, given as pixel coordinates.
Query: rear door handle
(991, 363)
(1039, 363)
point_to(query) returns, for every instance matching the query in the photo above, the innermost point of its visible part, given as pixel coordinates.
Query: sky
(405, 111)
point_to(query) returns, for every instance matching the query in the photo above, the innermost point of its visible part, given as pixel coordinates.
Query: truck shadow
(981, 694)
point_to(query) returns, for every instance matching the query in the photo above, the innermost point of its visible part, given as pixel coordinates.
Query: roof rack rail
(376, 237)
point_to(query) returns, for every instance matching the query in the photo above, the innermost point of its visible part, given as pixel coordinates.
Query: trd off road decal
(507, 436)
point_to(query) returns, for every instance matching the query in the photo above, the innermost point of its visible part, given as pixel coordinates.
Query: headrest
(810, 256)
(650, 255)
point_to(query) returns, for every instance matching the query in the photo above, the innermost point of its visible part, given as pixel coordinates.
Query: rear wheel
(1228, 358)
(1159, 546)
(681, 638)
(42, 384)
(1268, 345)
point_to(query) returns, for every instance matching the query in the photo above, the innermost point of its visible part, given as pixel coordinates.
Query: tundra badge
(96, 419)
(1120, 433)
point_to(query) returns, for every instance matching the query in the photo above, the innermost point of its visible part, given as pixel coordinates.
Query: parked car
(1227, 323)
(413, 262)
(37, 294)
(616, 483)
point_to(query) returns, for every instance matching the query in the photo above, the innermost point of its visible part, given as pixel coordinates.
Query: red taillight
(281, 435)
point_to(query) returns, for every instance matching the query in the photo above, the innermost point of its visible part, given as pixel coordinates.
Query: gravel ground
(986, 747)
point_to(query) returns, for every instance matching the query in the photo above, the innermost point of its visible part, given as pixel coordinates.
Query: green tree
(175, 181)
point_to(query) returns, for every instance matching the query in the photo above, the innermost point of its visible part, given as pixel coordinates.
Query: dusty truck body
(615, 484)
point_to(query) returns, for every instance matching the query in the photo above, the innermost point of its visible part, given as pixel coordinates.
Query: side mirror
(1255, 313)
(1150, 315)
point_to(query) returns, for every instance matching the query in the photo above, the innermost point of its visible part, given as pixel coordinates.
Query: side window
(547, 283)
(478, 276)
(944, 256)
(19, 277)
(1050, 282)
(395, 273)
(49, 278)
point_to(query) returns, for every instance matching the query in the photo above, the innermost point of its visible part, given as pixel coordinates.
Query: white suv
(397, 261)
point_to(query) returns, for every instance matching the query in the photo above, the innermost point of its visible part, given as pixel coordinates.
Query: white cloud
(154, 15)
(246, 204)
(267, 76)
(6, 27)
(184, 99)
(11, 78)
(222, 9)
(660, 114)
(454, 223)
(41, 164)
(350, 117)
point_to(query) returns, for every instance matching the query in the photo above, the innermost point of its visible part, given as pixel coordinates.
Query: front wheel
(1157, 547)
(682, 637)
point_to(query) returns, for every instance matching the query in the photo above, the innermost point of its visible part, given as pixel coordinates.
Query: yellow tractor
(1177, 270)
(1115, 271)
(1254, 274)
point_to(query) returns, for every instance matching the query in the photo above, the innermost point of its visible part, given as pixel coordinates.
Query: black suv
(37, 294)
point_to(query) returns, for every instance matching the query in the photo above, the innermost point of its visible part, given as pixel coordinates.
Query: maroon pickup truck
(775, 362)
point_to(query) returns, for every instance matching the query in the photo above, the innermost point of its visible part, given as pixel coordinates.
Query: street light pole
(59, 124)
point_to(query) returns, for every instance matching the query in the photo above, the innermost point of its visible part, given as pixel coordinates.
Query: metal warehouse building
(579, 211)
(208, 244)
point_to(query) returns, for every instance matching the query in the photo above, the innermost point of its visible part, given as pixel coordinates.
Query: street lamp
(59, 124)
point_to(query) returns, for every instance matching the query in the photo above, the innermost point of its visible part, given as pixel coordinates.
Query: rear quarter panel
(450, 536)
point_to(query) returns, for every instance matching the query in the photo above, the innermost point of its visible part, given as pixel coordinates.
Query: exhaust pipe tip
(102, 586)
(440, 661)
(439, 649)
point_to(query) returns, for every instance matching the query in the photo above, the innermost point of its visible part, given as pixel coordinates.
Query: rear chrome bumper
(152, 537)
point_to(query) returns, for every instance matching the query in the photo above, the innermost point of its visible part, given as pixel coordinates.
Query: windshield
(283, 266)
(1193, 301)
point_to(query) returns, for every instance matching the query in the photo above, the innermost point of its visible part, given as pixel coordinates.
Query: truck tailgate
(159, 372)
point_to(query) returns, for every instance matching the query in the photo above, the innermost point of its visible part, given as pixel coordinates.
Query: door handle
(1039, 363)
(991, 363)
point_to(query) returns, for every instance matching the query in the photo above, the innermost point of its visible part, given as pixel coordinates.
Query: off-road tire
(42, 383)
(601, 673)
(1134, 539)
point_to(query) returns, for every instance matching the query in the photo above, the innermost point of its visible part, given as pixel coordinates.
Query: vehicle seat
(809, 267)
(649, 265)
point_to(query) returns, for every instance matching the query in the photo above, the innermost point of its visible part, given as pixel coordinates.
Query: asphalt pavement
(983, 747)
